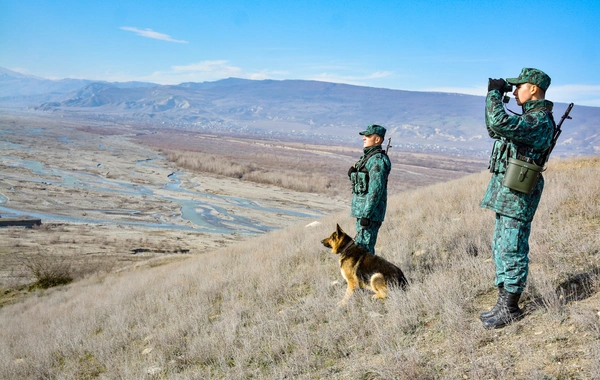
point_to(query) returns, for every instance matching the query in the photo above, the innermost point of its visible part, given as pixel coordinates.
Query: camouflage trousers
(510, 250)
(367, 237)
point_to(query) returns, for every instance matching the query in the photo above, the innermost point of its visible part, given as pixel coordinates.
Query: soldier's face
(371, 140)
(523, 92)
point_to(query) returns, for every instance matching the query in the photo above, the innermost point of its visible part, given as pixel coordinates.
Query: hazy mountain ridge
(18, 88)
(293, 108)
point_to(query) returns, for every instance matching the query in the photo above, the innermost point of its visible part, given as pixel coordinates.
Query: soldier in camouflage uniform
(525, 137)
(369, 178)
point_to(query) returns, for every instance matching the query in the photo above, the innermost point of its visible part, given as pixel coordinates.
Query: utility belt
(522, 172)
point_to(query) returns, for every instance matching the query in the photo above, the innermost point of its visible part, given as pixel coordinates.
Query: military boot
(488, 314)
(507, 313)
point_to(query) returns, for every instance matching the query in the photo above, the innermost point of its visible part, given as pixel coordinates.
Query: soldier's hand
(365, 222)
(496, 84)
(352, 170)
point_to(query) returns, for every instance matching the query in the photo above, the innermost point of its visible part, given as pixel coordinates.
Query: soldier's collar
(371, 149)
(537, 104)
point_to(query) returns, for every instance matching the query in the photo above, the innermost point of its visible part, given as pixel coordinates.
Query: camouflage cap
(374, 129)
(533, 76)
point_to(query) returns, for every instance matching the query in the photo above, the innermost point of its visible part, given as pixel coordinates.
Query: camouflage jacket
(528, 135)
(369, 185)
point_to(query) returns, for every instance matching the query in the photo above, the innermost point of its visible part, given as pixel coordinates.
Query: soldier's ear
(533, 88)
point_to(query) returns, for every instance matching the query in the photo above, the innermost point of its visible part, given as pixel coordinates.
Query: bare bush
(47, 270)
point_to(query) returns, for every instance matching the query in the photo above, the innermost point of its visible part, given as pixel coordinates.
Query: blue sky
(435, 45)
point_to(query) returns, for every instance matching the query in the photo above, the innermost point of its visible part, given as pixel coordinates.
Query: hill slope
(267, 308)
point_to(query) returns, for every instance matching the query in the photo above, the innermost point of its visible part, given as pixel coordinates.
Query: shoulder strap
(521, 149)
(362, 163)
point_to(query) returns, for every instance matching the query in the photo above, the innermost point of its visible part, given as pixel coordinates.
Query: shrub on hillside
(47, 270)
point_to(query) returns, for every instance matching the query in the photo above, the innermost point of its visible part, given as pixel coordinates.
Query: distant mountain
(308, 110)
(18, 89)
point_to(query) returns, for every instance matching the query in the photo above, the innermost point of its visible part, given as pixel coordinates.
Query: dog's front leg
(352, 285)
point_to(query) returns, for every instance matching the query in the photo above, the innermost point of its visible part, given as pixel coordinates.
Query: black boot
(488, 314)
(507, 313)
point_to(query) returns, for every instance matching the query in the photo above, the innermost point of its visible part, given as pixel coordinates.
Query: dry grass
(78, 251)
(300, 166)
(265, 309)
(299, 176)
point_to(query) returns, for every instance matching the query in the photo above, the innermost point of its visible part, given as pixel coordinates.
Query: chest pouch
(360, 182)
(521, 176)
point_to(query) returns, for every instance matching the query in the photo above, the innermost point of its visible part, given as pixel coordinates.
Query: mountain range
(291, 109)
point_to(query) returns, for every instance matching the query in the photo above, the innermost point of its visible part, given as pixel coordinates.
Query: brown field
(264, 306)
(301, 167)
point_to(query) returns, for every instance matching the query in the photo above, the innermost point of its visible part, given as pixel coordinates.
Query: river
(197, 210)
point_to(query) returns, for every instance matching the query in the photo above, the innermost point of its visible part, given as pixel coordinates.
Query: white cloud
(212, 70)
(205, 71)
(585, 95)
(259, 76)
(351, 79)
(20, 70)
(149, 33)
(219, 68)
(480, 90)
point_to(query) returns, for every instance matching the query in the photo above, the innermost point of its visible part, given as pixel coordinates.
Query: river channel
(194, 209)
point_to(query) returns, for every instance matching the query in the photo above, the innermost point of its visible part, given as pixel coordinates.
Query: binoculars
(496, 83)
(507, 87)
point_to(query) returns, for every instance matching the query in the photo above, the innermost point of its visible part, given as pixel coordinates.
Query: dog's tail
(401, 279)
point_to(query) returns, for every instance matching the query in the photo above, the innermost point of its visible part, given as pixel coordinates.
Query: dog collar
(347, 246)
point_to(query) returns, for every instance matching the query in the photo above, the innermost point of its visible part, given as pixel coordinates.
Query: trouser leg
(367, 237)
(510, 249)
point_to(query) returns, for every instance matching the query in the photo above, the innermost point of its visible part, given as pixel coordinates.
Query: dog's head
(336, 240)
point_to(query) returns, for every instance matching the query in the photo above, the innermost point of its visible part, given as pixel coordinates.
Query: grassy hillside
(266, 308)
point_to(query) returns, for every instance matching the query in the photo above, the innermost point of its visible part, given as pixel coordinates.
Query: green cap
(533, 76)
(374, 129)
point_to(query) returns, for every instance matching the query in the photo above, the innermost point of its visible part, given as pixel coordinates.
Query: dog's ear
(339, 229)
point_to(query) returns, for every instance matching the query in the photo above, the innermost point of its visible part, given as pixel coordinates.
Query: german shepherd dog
(362, 269)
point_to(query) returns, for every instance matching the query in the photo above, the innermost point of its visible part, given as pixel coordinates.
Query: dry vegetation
(34, 258)
(266, 309)
(300, 166)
